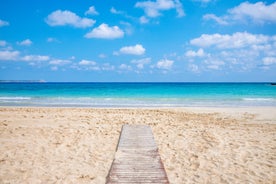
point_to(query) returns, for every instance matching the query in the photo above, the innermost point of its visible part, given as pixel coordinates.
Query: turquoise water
(137, 94)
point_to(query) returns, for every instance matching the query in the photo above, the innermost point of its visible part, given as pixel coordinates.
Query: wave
(259, 99)
(133, 102)
(15, 98)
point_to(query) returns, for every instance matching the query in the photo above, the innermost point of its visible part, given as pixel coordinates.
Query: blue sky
(131, 41)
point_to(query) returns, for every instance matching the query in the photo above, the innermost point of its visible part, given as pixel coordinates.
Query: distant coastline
(122, 82)
(22, 81)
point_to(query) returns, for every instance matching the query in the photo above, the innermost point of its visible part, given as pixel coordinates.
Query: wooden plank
(137, 159)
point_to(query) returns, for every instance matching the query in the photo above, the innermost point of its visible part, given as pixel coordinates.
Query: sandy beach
(197, 145)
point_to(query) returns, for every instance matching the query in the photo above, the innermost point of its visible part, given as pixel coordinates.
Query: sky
(138, 41)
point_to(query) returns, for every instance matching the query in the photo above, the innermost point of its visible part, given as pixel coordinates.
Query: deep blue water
(137, 94)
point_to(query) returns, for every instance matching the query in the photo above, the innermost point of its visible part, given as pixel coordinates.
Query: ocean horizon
(137, 94)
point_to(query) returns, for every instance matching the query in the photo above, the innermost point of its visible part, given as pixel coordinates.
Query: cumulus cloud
(4, 23)
(16, 56)
(144, 20)
(203, 1)
(153, 8)
(165, 64)
(237, 52)
(141, 62)
(214, 64)
(137, 49)
(86, 65)
(236, 40)
(114, 11)
(59, 62)
(108, 67)
(257, 12)
(87, 62)
(219, 20)
(125, 67)
(199, 53)
(62, 18)
(9, 55)
(105, 32)
(91, 11)
(35, 58)
(269, 60)
(26, 42)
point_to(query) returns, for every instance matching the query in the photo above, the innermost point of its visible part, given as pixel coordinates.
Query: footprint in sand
(194, 162)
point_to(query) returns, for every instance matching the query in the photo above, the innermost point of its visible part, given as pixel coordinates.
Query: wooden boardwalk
(137, 159)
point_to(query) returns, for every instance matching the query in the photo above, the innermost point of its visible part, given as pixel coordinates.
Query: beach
(197, 145)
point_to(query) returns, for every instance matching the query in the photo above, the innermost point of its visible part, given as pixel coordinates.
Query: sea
(50, 94)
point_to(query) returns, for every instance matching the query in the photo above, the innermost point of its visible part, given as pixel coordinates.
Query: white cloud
(141, 62)
(138, 49)
(3, 43)
(269, 60)
(203, 1)
(213, 67)
(237, 40)
(165, 64)
(62, 18)
(26, 42)
(144, 20)
(214, 64)
(179, 8)
(86, 65)
(107, 67)
(4, 23)
(35, 58)
(91, 11)
(194, 68)
(238, 52)
(93, 68)
(54, 68)
(50, 39)
(128, 28)
(9, 55)
(105, 32)
(153, 8)
(59, 62)
(258, 12)
(125, 67)
(199, 53)
(114, 11)
(87, 62)
(15, 56)
(217, 19)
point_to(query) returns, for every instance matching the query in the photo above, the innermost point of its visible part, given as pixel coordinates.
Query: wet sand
(197, 145)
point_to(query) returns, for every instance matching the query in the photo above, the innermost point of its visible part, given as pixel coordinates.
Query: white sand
(197, 145)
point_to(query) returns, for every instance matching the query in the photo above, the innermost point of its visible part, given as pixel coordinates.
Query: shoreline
(268, 112)
(157, 107)
(197, 145)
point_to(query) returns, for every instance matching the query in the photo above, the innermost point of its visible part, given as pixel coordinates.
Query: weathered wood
(137, 159)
